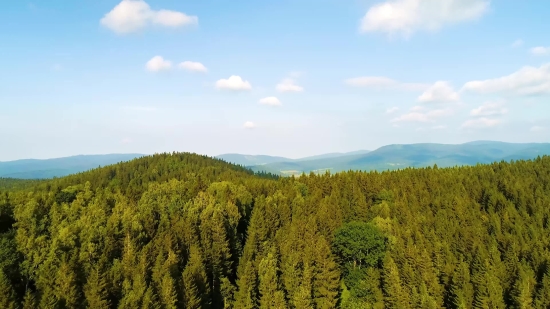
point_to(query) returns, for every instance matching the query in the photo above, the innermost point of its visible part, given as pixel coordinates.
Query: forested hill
(187, 231)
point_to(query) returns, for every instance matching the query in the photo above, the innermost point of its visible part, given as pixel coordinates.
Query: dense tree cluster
(17, 184)
(187, 231)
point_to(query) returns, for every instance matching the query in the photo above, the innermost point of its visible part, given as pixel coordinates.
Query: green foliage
(186, 231)
(359, 244)
(7, 294)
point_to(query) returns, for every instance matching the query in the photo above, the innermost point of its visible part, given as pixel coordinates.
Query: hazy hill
(48, 168)
(252, 160)
(384, 158)
(414, 155)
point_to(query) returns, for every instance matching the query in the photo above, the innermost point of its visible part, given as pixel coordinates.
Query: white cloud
(157, 64)
(392, 110)
(540, 51)
(526, 81)
(413, 116)
(481, 123)
(537, 129)
(272, 101)
(249, 125)
(133, 15)
(288, 85)
(126, 141)
(440, 92)
(380, 82)
(417, 108)
(489, 109)
(416, 116)
(234, 82)
(193, 66)
(408, 16)
(517, 43)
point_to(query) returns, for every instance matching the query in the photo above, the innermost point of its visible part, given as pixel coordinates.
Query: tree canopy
(179, 230)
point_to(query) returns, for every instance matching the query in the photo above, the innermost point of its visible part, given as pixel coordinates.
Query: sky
(290, 77)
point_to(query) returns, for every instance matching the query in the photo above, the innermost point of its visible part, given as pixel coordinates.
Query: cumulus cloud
(392, 110)
(157, 64)
(526, 81)
(193, 66)
(540, 51)
(289, 85)
(408, 16)
(429, 116)
(417, 108)
(249, 125)
(380, 82)
(133, 15)
(517, 43)
(489, 109)
(234, 82)
(440, 92)
(482, 122)
(271, 101)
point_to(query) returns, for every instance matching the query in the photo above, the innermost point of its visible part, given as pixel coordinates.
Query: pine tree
(247, 296)
(228, 293)
(150, 300)
(524, 287)
(395, 297)
(48, 300)
(7, 294)
(461, 290)
(67, 288)
(95, 290)
(271, 294)
(168, 294)
(542, 299)
(495, 292)
(195, 283)
(479, 280)
(29, 301)
(326, 282)
(302, 298)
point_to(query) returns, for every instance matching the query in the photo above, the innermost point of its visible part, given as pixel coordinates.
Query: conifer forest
(179, 230)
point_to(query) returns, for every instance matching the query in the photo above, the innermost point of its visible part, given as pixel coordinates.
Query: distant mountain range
(58, 167)
(384, 158)
(252, 160)
(393, 157)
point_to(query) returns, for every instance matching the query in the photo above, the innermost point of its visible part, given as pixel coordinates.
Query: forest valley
(179, 230)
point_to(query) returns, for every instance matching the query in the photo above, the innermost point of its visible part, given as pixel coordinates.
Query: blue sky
(289, 77)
